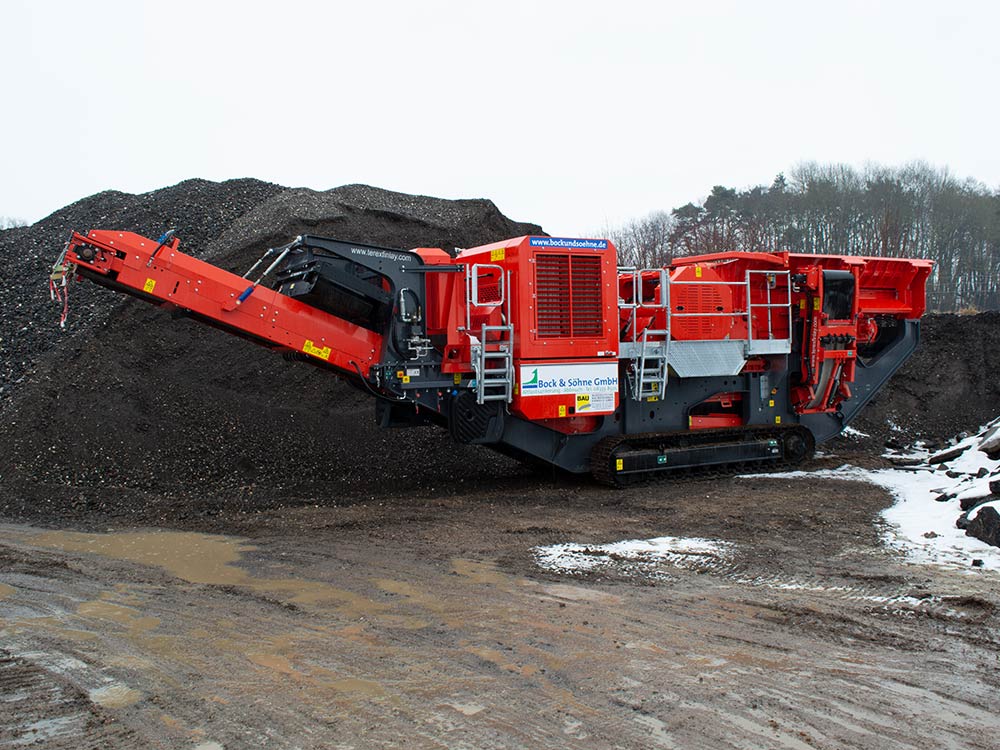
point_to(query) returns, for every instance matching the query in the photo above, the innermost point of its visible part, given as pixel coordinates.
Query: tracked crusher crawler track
(626, 460)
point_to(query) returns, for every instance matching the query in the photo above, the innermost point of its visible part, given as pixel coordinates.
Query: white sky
(570, 114)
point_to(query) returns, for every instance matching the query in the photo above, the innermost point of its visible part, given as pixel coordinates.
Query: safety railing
(770, 345)
(650, 349)
(661, 302)
(492, 351)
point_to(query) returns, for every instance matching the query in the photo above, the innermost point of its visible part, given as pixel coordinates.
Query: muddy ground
(202, 546)
(424, 621)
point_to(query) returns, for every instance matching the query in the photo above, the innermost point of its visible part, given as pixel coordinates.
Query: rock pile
(948, 386)
(969, 474)
(127, 398)
(975, 464)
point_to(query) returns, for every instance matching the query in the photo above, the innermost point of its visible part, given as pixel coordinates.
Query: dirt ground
(422, 620)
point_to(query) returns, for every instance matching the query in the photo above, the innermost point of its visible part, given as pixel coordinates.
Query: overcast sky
(574, 115)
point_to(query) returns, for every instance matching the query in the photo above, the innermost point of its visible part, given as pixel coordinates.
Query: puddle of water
(431, 602)
(278, 655)
(646, 646)
(129, 617)
(54, 626)
(274, 661)
(115, 696)
(503, 661)
(479, 572)
(46, 729)
(203, 559)
(172, 722)
(196, 558)
(466, 709)
(580, 594)
(355, 685)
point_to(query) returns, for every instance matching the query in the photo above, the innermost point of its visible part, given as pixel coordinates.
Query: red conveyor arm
(124, 261)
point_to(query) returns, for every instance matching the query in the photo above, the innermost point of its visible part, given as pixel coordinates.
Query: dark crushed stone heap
(948, 386)
(128, 398)
(202, 210)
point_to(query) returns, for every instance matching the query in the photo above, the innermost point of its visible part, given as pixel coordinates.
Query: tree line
(910, 211)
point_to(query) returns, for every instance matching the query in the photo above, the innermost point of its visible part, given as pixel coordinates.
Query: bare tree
(643, 243)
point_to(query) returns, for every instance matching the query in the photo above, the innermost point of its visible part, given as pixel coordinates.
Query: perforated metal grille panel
(699, 300)
(568, 295)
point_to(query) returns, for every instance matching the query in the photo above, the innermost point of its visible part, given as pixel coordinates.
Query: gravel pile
(950, 385)
(129, 399)
(200, 210)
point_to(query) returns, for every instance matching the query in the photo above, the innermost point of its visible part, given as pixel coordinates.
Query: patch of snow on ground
(918, 526)
(918, 450)
(855, 434)
(641, 554)
(644, 559)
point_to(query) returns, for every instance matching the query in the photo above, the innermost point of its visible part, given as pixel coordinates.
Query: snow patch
(918, 525)
(643, 559)
(639, 555)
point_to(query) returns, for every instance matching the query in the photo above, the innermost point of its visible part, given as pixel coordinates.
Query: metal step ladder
(493, 363)
(651, 365)
(492, 358)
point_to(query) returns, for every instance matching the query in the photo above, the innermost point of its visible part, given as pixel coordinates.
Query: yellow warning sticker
(458, 378)
(697, 272)
(149, 286)
(619, 464)
(406, 378)
(562, 410)
(400, 373)
(652, 398)
(815, 303)
(771, 402)
(323, 352)
(582, 402)
(498, 254)
(802, 304)
(777, 420)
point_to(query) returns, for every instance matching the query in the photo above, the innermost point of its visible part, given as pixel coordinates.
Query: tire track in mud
(233, 644)
(39, 709)
(725, 561)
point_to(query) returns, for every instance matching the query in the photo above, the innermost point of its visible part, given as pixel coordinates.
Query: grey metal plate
(690, 359)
